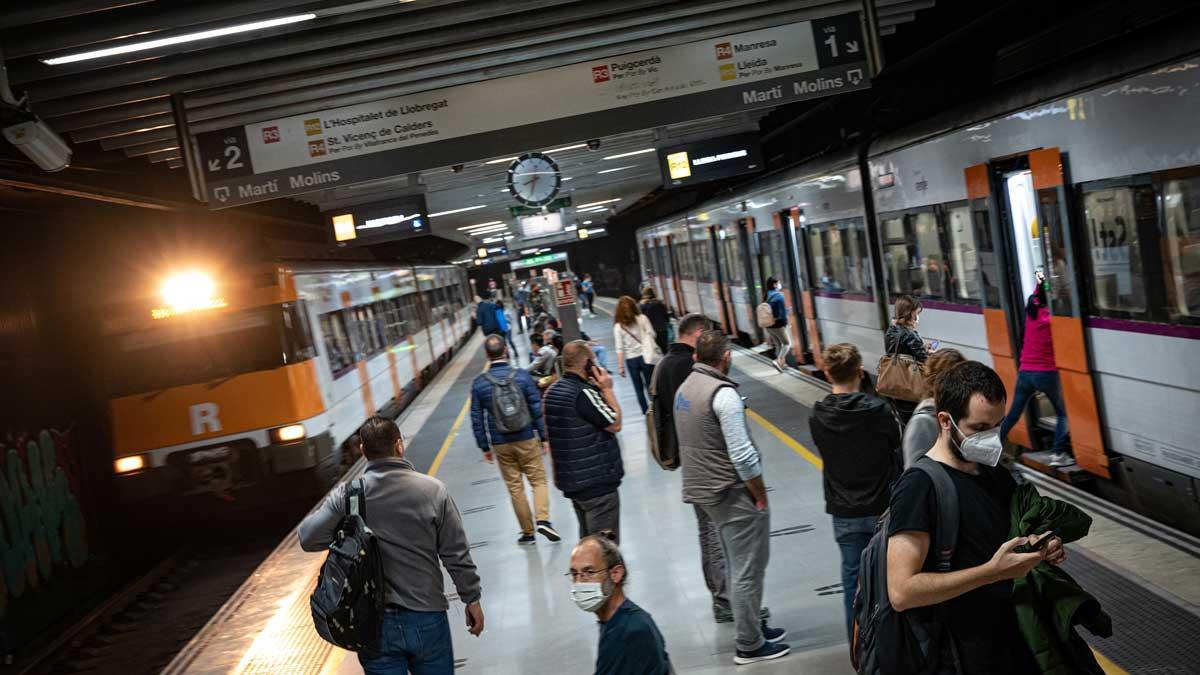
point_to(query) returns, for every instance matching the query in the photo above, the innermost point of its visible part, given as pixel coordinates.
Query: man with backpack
(945, 552)
(485, 315)
(858, 440)
(415, 524)
(772, 317)
(506, 410)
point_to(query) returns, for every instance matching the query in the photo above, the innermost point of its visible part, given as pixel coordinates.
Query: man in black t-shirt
(973, 600)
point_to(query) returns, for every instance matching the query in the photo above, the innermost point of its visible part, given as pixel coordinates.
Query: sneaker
(547, 530)
(768, 651)
(526, 540)
(777, 366)
(772, 634)
(1061, 459)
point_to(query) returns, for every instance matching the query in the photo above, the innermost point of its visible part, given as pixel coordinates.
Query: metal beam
(156, 157)
(518, 46)
(48, 10)
(130, 140)
(249, 111)
(109, 115)
(122, 128)
(147, 148)
(175, 163)
(286, 47)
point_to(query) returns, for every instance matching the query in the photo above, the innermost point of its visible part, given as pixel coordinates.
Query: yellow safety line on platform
(786, 440)
(437, 461)
(1107, 666)
(334, 662)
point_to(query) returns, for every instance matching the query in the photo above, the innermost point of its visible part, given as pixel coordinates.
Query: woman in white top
(637, 351)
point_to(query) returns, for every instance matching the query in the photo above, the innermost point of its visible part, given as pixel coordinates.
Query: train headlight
(292, 432)
(129, 464)
(188, 292)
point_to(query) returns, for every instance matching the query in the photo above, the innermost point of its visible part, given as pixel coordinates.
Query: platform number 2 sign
(223, 153)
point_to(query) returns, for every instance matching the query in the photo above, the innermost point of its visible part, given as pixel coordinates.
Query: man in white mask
(630, 643)
(972, 601)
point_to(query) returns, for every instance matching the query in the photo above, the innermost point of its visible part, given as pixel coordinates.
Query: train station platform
(1146, 577)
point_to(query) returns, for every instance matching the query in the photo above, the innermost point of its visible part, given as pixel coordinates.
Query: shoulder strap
(947, 507)
(356, 498)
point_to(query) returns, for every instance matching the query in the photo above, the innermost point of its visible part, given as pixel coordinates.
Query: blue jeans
(1045, 381)
(601, 355)
(411, 642)
(852, 536)
(639, 371)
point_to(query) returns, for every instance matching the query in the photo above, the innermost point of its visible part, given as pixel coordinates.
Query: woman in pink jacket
(1038, 371)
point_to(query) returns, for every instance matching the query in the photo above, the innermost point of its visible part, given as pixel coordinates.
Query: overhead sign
(329, 148)
(541, 224)
(710, 159)
(379, 222)
(556, 205)
(538, 260)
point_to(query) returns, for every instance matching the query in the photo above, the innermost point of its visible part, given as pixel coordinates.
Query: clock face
(534, 179)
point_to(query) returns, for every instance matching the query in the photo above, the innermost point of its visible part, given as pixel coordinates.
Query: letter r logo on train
(600, 74)
(724, 51)
(204, 418)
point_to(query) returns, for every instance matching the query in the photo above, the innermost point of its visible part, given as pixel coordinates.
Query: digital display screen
(379, 222)
(541, 225)
(710, 159)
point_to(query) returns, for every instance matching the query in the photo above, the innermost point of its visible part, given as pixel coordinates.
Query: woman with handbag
(902, 339)
(637, 351)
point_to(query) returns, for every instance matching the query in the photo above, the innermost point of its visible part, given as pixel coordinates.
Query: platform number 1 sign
(839, 40)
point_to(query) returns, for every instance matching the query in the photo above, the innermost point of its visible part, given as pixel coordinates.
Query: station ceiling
(352, 52)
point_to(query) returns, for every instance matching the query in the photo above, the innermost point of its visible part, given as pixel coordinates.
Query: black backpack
(347, 604)
(885, 641)
(509, 408)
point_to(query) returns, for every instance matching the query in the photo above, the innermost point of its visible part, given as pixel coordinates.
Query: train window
(895, 255)
(839, 259)
(1111, 223)
(367, 334)
(931, 253)
(771, 245)
(731, 260)
(1181, 247)
(963, 252)
(297, 335)
(338, 349)
(683, 260)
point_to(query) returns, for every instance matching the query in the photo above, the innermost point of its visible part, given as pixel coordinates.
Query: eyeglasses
(586, 573)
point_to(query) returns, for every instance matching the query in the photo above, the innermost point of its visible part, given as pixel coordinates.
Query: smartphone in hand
(1032, 546)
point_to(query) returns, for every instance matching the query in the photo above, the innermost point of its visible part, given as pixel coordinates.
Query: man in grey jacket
(417, 525)
(722, 473)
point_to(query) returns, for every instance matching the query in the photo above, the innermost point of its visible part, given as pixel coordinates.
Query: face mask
(588, 595)
(983, 447)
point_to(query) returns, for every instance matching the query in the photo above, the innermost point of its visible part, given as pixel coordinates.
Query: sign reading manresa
(356, 143)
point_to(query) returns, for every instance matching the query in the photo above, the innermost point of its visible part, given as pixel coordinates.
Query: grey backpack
(509, 408)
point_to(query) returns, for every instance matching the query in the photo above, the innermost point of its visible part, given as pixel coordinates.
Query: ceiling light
(504, 190)
(592, 209)
(570, 228)
(587, 222)
(603, 201)
(446, 213)
(503, 160)
(490, 222)
(493, 240)
(630, 154)
(178, 39)
(566, 148)
(619, 168)
(486, 230)
(568, 178)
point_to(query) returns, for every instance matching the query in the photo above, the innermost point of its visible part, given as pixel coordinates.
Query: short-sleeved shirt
(983, 621)
(630, 644)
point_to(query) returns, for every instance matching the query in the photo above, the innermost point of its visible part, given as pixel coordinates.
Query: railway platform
(1146, 576)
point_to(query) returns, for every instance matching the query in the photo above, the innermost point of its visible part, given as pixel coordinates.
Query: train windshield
(206, 348)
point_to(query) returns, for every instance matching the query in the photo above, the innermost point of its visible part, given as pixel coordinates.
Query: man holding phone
(972, 601)
(582, 420)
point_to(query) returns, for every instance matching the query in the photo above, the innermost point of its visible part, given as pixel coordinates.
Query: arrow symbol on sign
(851, 46)
(214, 165)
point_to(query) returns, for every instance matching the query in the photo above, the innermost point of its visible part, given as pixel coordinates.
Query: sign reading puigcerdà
(356, 143)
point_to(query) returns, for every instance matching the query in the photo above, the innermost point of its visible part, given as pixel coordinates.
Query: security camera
(39, 143)
(594, 144)
(457, 168)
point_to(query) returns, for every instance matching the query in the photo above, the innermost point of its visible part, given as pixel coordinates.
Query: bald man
(582, 419)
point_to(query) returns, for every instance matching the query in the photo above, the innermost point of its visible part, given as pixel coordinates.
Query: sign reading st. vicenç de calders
(356, 143)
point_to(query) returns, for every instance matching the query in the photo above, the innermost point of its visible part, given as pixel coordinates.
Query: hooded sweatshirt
(858, 440)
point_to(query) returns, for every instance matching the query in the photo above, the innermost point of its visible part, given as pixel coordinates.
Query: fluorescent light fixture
(503, 160)
(467, 208)
(490, 222)
(178, 39)
(593, 209)
(493, 240)
(570, 228)
(527, 251)
(504, 190)
(487, 230)
(509, 236)
(587, 222)
(619, 168)
(566, 148)
(603, 201)
(630, 154)
(568, 178)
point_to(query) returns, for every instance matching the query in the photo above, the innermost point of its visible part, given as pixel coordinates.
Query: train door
(774, 259)
(807, 280)
(1023, 231)
(719, 277)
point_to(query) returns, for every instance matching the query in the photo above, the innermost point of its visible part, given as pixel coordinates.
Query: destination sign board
(710, 159)
(538, 260)
(330, 148)
(378, 222)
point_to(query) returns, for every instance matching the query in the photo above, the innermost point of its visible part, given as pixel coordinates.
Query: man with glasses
(630, 643)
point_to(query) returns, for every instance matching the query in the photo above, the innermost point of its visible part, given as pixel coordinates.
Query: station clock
(534, 179)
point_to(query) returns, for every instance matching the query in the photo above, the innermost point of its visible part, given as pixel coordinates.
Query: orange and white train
(248, 386)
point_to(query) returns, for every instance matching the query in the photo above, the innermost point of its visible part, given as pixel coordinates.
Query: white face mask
(983, 447)
(588, 595)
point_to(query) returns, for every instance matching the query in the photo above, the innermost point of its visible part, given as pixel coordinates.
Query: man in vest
(518, 452)
(722, 474)
(582, 419)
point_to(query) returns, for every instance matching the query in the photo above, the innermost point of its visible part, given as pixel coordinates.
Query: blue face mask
(983, 447)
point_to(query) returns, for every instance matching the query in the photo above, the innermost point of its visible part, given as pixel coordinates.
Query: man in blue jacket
(519, 453)
(777, 335)
(485, 315)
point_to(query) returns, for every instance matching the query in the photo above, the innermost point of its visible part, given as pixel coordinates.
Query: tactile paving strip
(1150, 634)
(288, 645)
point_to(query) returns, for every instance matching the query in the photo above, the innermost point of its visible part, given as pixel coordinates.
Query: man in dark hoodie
(858, 440)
